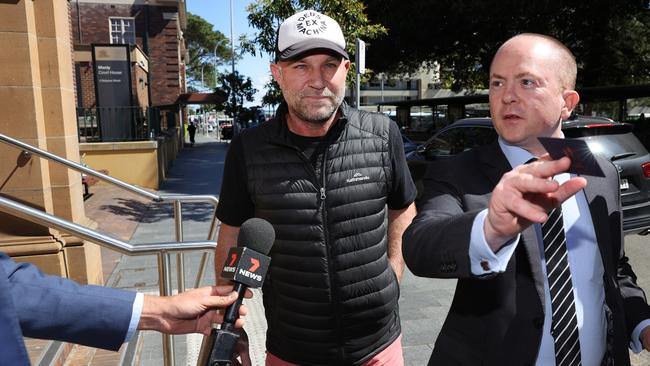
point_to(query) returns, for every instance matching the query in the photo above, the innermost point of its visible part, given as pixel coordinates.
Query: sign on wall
(112, 69)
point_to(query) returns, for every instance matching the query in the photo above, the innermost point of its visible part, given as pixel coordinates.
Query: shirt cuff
(482, 259)
(635, 342)
(135, 316)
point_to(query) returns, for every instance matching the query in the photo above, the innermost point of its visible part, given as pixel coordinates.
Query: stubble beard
(320, 114)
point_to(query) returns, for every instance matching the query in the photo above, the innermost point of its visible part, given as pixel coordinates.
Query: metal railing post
(164, 285)
(180, 259)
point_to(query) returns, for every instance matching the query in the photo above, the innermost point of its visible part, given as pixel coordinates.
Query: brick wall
(95, 25)
(162, 43)
(87, 78)
(164, 57)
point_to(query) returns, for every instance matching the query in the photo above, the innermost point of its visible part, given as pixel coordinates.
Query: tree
(273, 94)
(610, 38)
(243, 90)
(267, 15)
(202, 42)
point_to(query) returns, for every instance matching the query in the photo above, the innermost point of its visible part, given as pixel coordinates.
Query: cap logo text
(310, 24)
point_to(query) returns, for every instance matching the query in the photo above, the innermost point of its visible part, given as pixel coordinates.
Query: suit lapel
(495, 165)
(493, 162)
(529, 238)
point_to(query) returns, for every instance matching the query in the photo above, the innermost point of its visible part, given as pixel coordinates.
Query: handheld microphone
(246, 266)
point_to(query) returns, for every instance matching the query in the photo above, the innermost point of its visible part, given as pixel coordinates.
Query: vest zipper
(323, 196)
(330, 265)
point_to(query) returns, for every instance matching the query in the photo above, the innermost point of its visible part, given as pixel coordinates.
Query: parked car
(226, 130)
(609, 139)
(410, 147)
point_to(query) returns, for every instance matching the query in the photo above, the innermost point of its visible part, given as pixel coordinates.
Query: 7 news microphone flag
(246, 266)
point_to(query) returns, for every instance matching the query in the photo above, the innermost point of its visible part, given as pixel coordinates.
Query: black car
(226, 131)
(606, 138)
(410, 147)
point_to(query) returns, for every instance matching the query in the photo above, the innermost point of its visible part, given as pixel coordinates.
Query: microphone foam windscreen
(256, 234)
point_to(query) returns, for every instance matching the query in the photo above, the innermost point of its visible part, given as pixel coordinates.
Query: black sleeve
(235, 204)
(403, 191)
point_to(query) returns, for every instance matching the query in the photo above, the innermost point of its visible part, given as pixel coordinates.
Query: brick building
(153, 31)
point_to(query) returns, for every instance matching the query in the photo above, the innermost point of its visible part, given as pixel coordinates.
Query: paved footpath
(198, 170)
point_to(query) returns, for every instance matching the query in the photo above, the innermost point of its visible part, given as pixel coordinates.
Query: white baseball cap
(309, 30)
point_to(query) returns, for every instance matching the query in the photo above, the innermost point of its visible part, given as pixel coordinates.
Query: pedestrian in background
(333, 182)
(191, 130)
(538, 252)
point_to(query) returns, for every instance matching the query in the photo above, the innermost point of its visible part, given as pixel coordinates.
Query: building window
(122, 30)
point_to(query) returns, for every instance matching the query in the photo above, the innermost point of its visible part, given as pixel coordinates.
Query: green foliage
(202, 42)
(273, 94)
(610, 38)
(243, 90)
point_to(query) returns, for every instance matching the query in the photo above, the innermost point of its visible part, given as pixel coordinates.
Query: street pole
(235, 127)
(202, 83)
(361, 68)
(215, 66)
(382, 87)
(217, 127)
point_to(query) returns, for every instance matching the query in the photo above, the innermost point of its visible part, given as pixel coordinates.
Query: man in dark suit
(538, 252)
(49, 307)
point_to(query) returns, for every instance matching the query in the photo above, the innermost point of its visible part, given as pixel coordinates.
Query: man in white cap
(334, 184)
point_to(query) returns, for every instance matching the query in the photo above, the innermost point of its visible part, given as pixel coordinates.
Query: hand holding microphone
(246, 266)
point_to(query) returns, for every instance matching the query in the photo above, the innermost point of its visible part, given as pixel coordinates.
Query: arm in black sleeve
(235, 204)
(403, 191)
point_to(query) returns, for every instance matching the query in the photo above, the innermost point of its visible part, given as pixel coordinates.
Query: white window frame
(120, 36)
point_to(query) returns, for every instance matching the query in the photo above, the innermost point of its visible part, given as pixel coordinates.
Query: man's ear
(571, 99)
(347, 64)
(276, 71)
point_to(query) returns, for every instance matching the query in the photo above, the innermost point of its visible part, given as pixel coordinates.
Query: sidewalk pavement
(198, 170)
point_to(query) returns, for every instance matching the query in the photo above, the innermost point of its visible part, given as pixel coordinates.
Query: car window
(456, 140)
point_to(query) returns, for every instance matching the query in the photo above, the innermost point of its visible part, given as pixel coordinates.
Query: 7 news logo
(234, 267)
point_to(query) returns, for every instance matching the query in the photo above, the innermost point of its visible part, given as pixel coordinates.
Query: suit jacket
(498, 319)
(49, 307)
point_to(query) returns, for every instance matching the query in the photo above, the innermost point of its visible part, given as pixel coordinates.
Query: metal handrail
(160, 249)
(37, 216)
(107, 178)
(212, 231)
(78, 167)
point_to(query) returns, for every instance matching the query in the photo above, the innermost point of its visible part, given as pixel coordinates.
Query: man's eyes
(528, 82)
(328, 66)
(496, 83)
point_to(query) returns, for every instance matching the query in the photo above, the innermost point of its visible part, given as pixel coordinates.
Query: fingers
(568, 189)
(525, 195)
(220, 301)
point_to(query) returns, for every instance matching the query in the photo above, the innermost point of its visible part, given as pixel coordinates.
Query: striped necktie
(564, 327)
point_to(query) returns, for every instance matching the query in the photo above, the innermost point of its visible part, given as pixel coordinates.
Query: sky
(217, 12)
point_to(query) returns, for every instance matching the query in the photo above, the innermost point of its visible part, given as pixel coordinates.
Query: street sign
(361, 56)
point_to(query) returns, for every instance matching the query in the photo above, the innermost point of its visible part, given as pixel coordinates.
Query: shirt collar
(516, 155)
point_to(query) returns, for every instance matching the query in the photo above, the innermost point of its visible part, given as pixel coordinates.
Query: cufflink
(485, 265)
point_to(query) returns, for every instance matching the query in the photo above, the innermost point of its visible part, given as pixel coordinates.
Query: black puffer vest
(331, 295)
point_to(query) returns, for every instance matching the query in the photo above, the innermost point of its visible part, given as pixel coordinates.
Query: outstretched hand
(192, 311)
(524, 196)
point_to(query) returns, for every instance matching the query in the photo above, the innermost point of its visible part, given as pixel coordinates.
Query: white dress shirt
(586, 270)
(135, 316)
